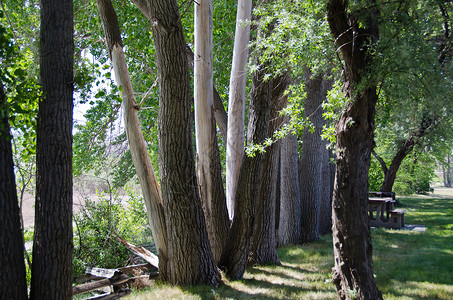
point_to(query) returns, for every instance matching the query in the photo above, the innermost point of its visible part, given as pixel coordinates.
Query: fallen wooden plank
(146, 267)
(140, 251)
(84, 278)
(104, 273)
(95, 285)
(142, 267)
(90, 286)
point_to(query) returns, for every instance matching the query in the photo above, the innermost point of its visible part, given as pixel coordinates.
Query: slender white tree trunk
(209, 175)
(235, 139)
(140, 155)
(203, 97)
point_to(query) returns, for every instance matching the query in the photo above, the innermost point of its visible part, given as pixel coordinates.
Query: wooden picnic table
(386, 215)
(382, 206)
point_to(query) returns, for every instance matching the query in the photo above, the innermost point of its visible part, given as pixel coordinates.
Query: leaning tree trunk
(12, 267)
(235, 255)
(236, 102)
(353, 271)
(52, 246)
(310, 172)
(404, 149)
(390, 175)
(190, 256)
(139, 152)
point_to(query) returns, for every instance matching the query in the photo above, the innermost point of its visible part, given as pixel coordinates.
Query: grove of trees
(248, 125)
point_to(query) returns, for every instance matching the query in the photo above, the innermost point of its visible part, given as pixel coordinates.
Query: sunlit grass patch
(417, 265)
(418, 290)
(406, 264)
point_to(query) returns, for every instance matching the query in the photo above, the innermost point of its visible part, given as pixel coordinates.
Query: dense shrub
(95, 226)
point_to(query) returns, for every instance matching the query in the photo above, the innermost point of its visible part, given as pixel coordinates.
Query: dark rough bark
(190, 257)
(221, 116)
(310, 172)
(220, 224)
(289, 214)
(236, 251)
(264, 248)
(353, 272)
(52, 250)
(217, 220)
(12, 265)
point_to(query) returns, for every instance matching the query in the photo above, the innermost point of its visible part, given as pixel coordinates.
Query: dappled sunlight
(407, 265)
(418, 290)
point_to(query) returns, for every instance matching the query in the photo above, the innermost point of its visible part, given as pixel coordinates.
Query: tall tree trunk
(264, 248)
(353, 272)
(220, 222)
(328, 177)
(12, 265)
(290, 214)
(448, 172)
(139, 152)
(208, 159)
(310, 172)
(190, 255)
(236, 102)
(236, 251)
(52, 250)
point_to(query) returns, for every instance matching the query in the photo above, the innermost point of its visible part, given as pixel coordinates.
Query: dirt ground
(28, 208)
(85, 187)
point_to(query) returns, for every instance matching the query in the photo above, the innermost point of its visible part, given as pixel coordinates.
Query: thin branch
(146, 95)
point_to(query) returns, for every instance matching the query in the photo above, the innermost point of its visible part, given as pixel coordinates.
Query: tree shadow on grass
(415, 263)
(257, 289)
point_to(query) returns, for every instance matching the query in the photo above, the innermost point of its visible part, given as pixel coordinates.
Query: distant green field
(407, 264)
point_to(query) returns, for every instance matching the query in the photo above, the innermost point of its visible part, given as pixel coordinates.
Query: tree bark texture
(12, 264)
(236, 102)
(52, 250)
(235, 254)
(353, 272)
(139, 152)
(328, 178)
(190, 256)
(208, 158)
(217, 220)
(310, 172)
(264, 248)
(289, 228)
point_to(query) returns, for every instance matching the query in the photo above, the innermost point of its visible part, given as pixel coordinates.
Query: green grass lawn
(407, 264)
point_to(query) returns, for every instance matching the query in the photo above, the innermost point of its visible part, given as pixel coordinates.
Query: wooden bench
(397, 218)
